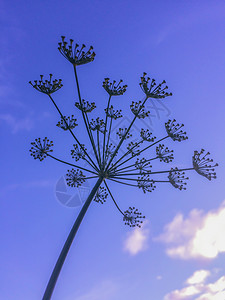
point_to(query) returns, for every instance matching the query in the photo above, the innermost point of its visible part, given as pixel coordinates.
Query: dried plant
(108, 163)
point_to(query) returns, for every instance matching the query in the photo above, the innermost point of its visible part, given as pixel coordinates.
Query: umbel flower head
(143, 165)
(97, 124)
(117, 162)
(132, 217)
(101, 195)
(40, 148)
(139, 110)
(109, 151)
(114, 89)
(174, 131)
(146, 135)
(113, 114)
(202, 164)
(145, 183)
(47, 86)
(85, 106)
(75, 54)
(78, 152)
(122, 132)
(177, 179)
(152, 90)
(75, 178)
(133, 147)
(164, 154)
(67, 123)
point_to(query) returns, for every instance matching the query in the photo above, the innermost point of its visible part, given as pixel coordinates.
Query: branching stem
(83, 114)
(64, 162)
(113, 198)
(91, 163)
(128, 130)
(141, 151)
(106, 121)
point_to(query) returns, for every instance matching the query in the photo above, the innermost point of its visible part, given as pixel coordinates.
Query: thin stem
(123, 138)
(64, 162)
(55, 274)
(153, 144)
(91, 177)
(85, 121)
(108, 139)
(132, 179)
(129, 151)
(147, 160)
(118, 172)
(123, 182)
(142, 151)
(92, 140)
(113, 198)
(106, 121)
(99, 152)
(91, 163)
(161, 181)
(159, 172)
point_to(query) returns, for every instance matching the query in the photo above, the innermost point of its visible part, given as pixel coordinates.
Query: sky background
(180, 251)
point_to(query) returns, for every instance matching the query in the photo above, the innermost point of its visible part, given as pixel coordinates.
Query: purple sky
(179, 252)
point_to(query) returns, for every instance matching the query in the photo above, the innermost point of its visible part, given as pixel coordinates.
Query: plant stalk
(55, 274)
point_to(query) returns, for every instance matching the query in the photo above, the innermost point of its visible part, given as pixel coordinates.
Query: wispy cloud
(196, 286)
(28, 184)
(136, 240)
(26, 123)
(104, 290)
(17, 124)
(200, 235)
(193, 17)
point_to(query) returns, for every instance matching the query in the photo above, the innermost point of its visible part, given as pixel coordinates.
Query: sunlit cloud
(200, 235)
(137, 239)
(198, 277)
(197, 287)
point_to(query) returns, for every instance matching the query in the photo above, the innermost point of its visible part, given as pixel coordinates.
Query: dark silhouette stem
(91, 163)
(139, 152)
(83, 114)
(55, 274)
(64, 162)
(124, 137)
(106, 121)
(113, 198)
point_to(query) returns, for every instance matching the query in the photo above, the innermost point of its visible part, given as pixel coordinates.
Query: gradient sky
(180, 251)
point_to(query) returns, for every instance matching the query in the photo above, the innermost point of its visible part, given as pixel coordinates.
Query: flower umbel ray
(109, 159)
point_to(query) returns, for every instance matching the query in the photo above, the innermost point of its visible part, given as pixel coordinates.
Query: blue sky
(179, 252)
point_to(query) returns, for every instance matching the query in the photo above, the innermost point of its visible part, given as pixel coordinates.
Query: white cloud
(200, 235)
(198, 277)
(184, 293)
(199, 289)
(136, 240)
